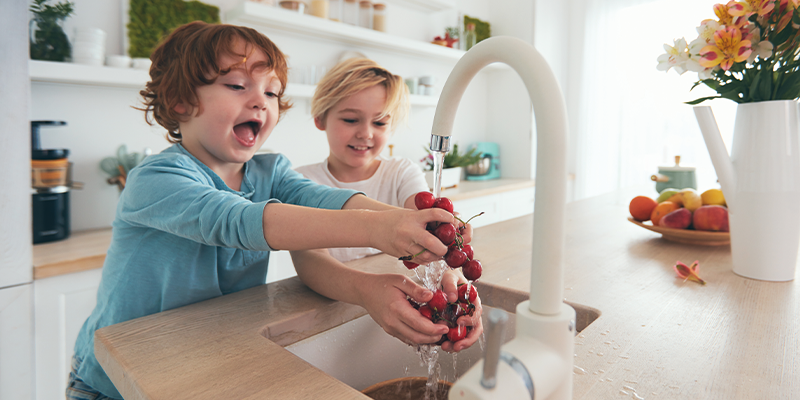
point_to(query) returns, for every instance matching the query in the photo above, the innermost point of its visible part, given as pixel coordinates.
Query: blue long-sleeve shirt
(181, 236)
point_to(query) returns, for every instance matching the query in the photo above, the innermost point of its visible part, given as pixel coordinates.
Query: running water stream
(431, 277)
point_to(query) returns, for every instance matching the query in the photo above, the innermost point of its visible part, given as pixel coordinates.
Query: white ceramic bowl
(141, 63)
(118, 61)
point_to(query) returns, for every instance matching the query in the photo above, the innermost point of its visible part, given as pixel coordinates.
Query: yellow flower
(727, 48)
(723, 12)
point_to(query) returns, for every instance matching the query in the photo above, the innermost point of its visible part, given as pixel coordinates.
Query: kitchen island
(658, 336)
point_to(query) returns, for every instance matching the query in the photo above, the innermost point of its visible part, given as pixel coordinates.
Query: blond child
(199, 220)
(359, 104)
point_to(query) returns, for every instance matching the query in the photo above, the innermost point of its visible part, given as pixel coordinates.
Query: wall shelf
(89, 75)
(426, 5)
(257, 16)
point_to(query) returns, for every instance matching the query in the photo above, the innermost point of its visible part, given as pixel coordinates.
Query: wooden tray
(688, 236)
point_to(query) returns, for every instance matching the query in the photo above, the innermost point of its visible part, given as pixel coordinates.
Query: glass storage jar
(350, 12)
(365, 14)
(319, 8)
(379, 17)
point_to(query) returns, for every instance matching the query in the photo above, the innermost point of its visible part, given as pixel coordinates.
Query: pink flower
(727, 48)
(689, 273)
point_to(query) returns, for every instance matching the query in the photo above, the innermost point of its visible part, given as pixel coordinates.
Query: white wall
(101, 119)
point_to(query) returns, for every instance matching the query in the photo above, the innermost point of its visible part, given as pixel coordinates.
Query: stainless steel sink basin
(360, 354)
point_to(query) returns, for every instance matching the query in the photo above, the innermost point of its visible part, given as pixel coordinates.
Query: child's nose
(364, 132)
(258, 102)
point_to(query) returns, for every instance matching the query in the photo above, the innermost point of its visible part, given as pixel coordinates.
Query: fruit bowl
(688, 236)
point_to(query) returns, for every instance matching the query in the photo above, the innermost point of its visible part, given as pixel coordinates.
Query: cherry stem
(409, 258)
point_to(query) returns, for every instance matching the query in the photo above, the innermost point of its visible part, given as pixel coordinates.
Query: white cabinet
(496, 207)
(62, 304)
(16, 346)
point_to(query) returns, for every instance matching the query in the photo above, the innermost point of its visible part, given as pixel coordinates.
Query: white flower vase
(450, 177)
(761, 184)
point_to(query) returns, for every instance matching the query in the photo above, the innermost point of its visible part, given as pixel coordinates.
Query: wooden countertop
(657, 337)
(86, 250)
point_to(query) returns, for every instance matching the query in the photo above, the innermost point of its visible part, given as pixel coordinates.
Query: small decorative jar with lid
(379, 17)
(365, 14)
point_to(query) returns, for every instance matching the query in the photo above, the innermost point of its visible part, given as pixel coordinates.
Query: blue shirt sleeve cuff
(254, 215)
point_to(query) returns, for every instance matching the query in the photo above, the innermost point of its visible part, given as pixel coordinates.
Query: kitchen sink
(360, 354)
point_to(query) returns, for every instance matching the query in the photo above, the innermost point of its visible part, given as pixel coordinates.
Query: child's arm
(382, 295)
(397, 232)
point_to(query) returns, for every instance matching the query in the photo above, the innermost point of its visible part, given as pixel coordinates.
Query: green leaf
(702, 99)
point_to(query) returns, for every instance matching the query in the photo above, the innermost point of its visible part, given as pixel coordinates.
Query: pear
(666, 194)
(687, 198)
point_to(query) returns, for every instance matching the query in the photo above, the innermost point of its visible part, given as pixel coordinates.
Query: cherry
(410, 265)
(472, 270)
(424, 200)
(426, 311)
(446, 233)
(444, 203)
(462, 293)
(455, 257)
(467, 249)
(457, 333)
(439, 301)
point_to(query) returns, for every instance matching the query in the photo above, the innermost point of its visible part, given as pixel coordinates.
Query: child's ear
(180, 108)
(319, 122)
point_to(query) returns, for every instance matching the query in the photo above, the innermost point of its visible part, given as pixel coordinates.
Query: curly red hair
(188, 58)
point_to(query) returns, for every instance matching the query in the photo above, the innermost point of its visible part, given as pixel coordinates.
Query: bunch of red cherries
(439, 310)
(459, 254)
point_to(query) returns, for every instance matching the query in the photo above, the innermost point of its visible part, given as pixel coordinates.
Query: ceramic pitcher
(761, 184)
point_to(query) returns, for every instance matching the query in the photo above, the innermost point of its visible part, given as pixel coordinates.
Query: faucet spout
(551, 165)
(537, 364)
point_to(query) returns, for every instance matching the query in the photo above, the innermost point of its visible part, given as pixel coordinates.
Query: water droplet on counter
(626, 387)
(600, 354)
(578, 370)
(569, 288)
(633, 382)
(581, 336)
(625, 357)
(591, 351)
(624, 393)
(601, 371)
(637, 397)
(607, 342)
(609, 379)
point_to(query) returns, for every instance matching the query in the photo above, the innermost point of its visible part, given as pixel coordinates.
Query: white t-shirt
(396, 180)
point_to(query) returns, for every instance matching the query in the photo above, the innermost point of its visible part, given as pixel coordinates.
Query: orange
(641, 207)
(662, 209)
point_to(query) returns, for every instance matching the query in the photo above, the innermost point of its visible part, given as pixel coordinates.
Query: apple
(666, 194)
(678, 219)
(687, 198)
(711, 218)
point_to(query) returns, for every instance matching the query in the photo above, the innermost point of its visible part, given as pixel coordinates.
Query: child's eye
(235, 87)
(271, 94)
(349, 120)
(380, 123)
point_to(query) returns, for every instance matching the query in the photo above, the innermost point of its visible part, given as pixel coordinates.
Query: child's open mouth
(246, 132)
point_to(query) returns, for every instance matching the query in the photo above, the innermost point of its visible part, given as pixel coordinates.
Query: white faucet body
(545, 338)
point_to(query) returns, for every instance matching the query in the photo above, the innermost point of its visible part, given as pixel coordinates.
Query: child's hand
(401, 232)
(384, 297)
(450, 281)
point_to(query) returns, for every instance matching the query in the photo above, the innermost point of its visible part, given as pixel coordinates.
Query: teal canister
(676, 177)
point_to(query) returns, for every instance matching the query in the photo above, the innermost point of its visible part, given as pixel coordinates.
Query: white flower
(675, 57)
(761, 48)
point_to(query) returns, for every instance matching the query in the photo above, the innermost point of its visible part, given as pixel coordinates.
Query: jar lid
(676, 169)
(49, 154)
(379, 6)
(365, 3)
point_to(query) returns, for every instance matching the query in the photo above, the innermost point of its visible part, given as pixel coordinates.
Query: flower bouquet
(749, 53)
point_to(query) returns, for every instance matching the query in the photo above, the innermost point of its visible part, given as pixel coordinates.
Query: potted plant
(453, 166)
(48, 41)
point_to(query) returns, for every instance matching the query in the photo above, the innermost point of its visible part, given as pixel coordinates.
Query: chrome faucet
(537, 363)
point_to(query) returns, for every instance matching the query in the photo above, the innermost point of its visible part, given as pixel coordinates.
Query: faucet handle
(494, 339)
